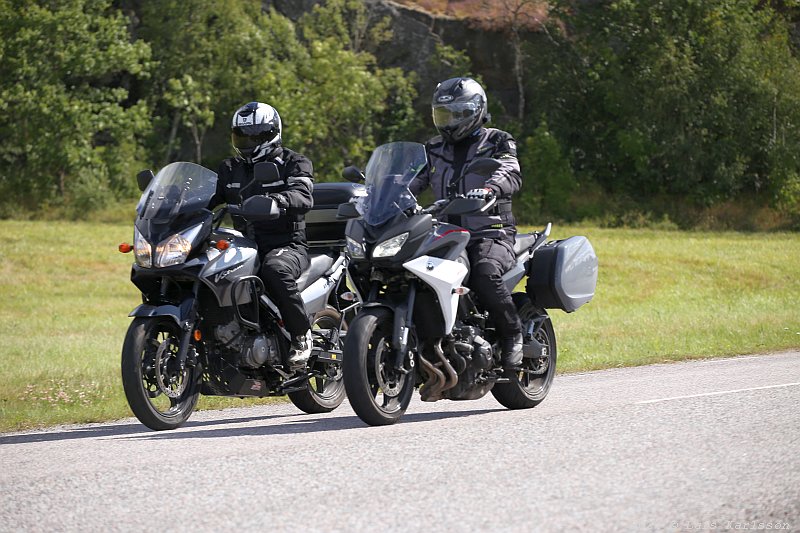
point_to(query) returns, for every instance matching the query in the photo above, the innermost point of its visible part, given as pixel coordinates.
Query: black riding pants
(489, 259)
(280, 268)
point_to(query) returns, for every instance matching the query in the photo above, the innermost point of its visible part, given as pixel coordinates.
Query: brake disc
(177, 382)
(390, 388)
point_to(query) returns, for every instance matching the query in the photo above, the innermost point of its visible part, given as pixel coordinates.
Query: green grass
(668, 295)
(65, 295)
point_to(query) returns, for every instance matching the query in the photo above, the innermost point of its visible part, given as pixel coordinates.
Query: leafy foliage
(637, 102)
(680, 97)
(85, 105)
(549, 176)
(67, 128)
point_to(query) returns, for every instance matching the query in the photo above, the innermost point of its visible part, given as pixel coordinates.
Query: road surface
(701, 446)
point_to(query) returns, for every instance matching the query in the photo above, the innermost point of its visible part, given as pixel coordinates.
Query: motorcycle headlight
(355, 248)
(390, 247)
(175, 249)
(142, 250)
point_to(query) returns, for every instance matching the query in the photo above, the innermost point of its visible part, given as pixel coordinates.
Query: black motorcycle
(206, 325)
(419, 325)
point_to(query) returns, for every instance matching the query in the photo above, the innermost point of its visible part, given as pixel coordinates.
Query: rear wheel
(530, 385)
(378, 393)
(159, 392)
(325, 391)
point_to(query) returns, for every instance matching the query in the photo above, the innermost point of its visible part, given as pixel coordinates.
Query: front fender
(385, 305)
(180, 313)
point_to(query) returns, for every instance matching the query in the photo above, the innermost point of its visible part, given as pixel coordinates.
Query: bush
(691, 99)
(547, 178)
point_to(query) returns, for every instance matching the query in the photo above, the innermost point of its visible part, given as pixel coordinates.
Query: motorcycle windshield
(389, 172)
(178, 188)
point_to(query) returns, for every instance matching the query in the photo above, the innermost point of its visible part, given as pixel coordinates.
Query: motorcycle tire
(378, 395)
(326, 392)
(150, 349)
(528, 390)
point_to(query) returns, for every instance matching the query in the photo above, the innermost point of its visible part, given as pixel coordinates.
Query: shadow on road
(116, 430)
(303, 424)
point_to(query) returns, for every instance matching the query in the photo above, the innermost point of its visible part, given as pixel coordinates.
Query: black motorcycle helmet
(459, 108)
(255, 131)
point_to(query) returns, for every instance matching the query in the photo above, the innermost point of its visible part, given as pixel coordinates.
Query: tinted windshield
(389, 171)
(177, 189)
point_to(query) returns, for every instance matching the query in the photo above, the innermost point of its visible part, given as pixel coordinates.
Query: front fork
(187, 327)
(402, 325)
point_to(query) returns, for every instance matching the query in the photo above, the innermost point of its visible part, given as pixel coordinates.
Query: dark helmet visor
(452, 115)
(248, 137)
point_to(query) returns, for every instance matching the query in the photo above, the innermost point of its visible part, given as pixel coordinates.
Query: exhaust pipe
(437, 382)
(431, 389)
(452, 377)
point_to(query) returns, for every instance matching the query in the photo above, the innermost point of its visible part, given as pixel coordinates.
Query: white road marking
(720, 393)
(728, 360)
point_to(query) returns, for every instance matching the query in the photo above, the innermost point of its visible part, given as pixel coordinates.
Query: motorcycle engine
(471, 355)
(251, 351)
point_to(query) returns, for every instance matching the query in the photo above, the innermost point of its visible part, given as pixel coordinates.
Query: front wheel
(378, 393)
(160, 393)
(530, 385)
(325, 391)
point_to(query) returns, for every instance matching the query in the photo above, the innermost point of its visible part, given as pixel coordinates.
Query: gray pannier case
(563, 274)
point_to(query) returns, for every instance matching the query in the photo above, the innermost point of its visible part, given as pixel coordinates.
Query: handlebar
(457, 205)
(435, 207)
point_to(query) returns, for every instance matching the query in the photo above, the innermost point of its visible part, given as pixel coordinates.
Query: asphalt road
(701, 446)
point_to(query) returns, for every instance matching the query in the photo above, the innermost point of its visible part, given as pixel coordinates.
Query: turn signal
(197, 335)
(347, 296)
(461, 291)
(222, 245)
(125, 248)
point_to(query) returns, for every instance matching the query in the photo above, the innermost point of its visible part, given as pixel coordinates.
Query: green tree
(208, 55)
(548, 178)
(687, 98)
(362, 105)
(355, 25)
(334, 101)
(68, 134)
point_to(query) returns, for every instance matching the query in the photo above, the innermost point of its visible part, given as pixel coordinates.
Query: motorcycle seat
(523, 242)
(318, 265)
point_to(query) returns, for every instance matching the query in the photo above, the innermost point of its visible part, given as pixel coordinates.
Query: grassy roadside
(662, 295)
(668, 295)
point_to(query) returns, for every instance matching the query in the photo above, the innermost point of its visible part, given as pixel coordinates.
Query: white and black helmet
(255, 131)
(459, 108)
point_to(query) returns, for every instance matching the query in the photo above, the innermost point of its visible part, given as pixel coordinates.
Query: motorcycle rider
(282, 248)
(459, 114)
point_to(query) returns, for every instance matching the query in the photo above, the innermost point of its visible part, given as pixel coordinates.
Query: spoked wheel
(530, 385)
(378, 393)
(159, 392)
(325, 391)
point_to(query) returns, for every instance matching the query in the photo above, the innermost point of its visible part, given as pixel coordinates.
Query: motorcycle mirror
(144, 178)
(353, 174)
(266, 172)
(347, 210)
(483, 166)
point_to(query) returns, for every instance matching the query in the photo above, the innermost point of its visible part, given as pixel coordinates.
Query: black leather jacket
(292, 192)
(446, 162)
